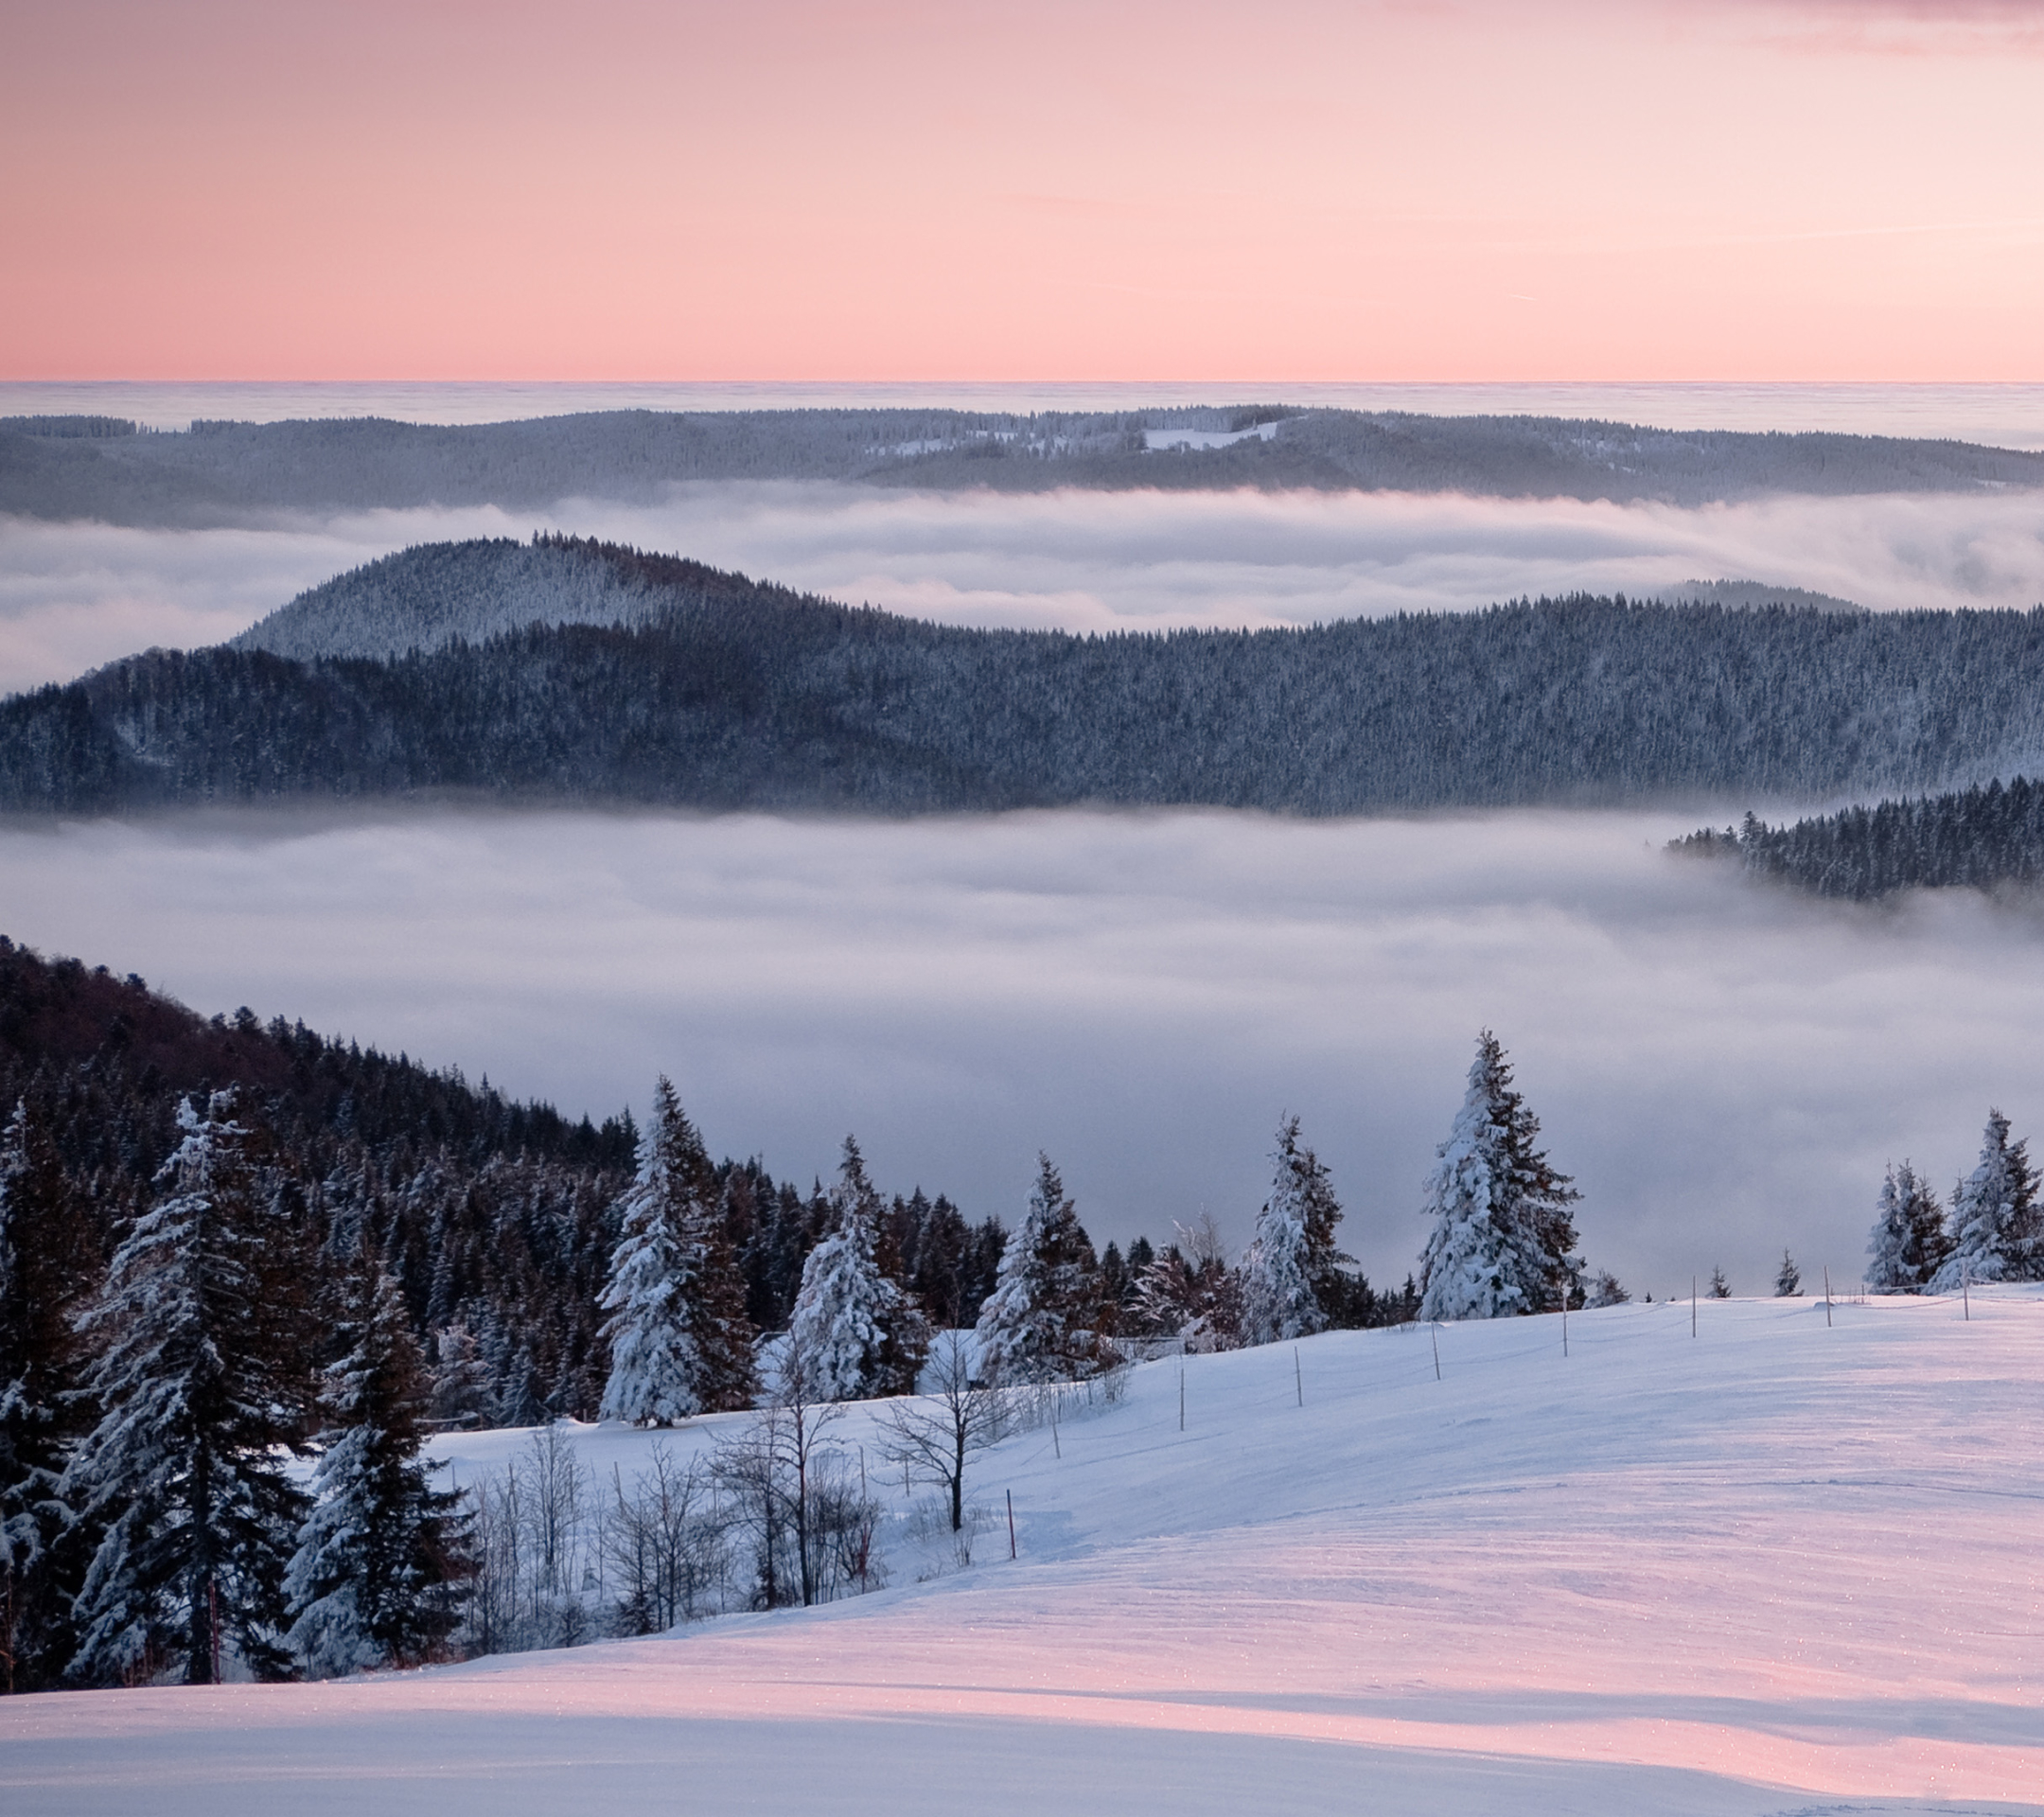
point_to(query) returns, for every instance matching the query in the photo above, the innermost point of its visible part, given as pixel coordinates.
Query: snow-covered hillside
(1785, 1564)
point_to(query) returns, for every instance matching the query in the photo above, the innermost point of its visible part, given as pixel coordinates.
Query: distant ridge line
(655, 679)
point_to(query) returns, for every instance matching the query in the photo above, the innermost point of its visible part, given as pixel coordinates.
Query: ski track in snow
(1778, 1567)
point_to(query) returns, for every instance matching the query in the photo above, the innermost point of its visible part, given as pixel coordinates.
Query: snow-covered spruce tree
(859, 1332)
(1720, 1287)
(1909, 1243)
(1788, 1278)
(1042, 1322)
(1503, 1236)
(375, 1580)
(46, 1259)
(201, 1379)
(1995, 1233)
(680, 1343)
(1290, 1261)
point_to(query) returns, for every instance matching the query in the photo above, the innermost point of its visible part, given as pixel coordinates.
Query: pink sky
(895, 189)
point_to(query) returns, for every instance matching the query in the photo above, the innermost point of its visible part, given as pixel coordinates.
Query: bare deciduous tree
(936, 1435)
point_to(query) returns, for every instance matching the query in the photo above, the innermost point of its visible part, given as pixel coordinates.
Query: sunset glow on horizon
(1693, 189)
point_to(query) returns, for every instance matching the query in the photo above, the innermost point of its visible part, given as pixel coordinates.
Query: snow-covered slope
(1781, 1565)
(428, 597)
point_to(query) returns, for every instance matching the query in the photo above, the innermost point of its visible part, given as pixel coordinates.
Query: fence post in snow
(1181, 1397)
(1433, 1331)
(1011, 1523)
(1298, 1378)
(1828, 1296)
(1966, 1290)
(1564, 1318)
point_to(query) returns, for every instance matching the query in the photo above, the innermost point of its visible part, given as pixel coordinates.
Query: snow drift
(1785, 1562)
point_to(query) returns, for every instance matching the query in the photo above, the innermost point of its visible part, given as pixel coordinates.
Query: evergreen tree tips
(1788, 1278)
(199, 1377)
(45, 1256)
(1503, 1235)
(1042, 1321)
(1290, 1261)
(858, 1331)
(680, 1343)
(375, 1578)
(1909, 1243)
(1996, 1232)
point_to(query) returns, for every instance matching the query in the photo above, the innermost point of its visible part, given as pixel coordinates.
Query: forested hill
(1975, 838)
(726, 693)
(497, 1218)
(57, 1017)
(224, 472)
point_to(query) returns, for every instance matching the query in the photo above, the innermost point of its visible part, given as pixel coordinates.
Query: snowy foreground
(1779, 1567)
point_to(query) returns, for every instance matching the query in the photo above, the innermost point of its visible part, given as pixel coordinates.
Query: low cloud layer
(71, 596)
(1725, 1069)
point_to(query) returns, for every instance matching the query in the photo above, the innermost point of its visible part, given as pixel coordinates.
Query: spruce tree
(859, 1332)
(200, 1378)
(1605, 1289)
(375, 1578)
(1909, 1243)
(1502, 1235)
(1289, 1275)
(46, 1261)
(680, 1343)
(1788, 1278)
(1042, 1322)
(1994, 1217)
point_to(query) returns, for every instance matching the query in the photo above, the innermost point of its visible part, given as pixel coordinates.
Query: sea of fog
(75, 595)
(1724, 1068)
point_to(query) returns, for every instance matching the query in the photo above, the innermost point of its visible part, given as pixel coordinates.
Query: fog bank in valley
(75, 595)
(1724, 1068)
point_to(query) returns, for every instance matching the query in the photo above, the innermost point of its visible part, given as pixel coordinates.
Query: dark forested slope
(723, 693)
(220, 472)
(1978, 838)
(496, 1217)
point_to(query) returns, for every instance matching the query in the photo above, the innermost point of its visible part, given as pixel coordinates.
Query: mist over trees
(720, 693)
(225, 472)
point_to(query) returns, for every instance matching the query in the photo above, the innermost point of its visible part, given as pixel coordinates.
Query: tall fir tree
(680, 1343)
(201, 1375)
(47, 1259)
(1909, 1243)
(377, 1574)
(1290, 1281)
(1788, 1278)
(860, 1332)
(1502, 1239)
(1995, 1216)
(1042, 1321)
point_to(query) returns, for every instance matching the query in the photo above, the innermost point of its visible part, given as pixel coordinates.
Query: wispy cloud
(1888, 28)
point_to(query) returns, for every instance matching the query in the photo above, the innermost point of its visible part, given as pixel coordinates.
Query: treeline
(224, 1244)
(1978, 838)
(1995, 1229)
(221, 472)
(732, 695)
(496, 1219)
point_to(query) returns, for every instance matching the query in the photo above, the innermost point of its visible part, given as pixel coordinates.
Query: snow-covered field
(1780, 1566)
